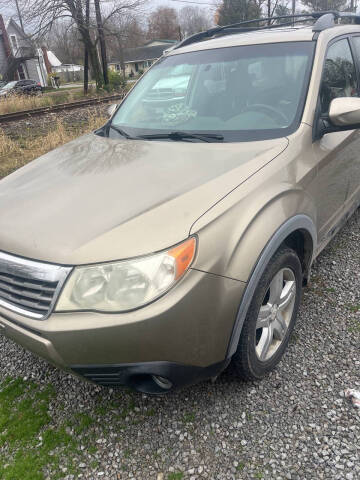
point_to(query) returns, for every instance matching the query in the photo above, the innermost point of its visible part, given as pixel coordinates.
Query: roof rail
(327, 20)
(323, 20)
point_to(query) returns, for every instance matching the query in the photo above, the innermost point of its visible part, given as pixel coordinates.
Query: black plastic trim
(138, 376)
(298, 222)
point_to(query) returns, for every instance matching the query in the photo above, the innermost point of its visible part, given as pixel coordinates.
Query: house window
(21, 72)
(117, 67)
(136, 67)
(14, 44)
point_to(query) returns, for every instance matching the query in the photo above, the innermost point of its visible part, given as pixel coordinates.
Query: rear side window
(339, 77)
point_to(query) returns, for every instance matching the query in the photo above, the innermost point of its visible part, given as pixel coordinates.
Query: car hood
(98, 199)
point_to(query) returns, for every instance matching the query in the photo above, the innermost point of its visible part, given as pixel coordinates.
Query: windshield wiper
(120, 130)
(205, 137)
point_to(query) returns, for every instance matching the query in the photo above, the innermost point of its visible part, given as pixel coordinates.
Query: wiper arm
(120, 130)
(205, 137)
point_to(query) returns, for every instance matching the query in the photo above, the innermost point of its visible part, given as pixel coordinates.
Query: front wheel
(271, 316)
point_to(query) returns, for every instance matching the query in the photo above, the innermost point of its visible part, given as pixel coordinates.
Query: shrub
(116, 80)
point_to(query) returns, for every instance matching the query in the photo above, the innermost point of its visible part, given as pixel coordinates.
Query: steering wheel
(272, 112)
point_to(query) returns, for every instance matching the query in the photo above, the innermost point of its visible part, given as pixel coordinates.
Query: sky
(210, 5)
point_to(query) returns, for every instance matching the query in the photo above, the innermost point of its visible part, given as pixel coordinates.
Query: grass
(18, 103)
(188, 417)
(37, 444)
(353, 308)
(17, 151)
(32, 444)
(240, 467)
(353, 325)
(175, 476)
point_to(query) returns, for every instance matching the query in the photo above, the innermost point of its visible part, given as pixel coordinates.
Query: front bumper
(184, 335)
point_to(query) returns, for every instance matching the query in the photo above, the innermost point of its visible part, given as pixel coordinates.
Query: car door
(335, 153)
(30, 86)
(19, 86)
(22, 86)
(354, 164)
(25, 86)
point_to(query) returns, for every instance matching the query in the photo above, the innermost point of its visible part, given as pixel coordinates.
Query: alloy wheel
(275, 314)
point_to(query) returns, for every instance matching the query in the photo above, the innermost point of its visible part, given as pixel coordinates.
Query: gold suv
(179, 236)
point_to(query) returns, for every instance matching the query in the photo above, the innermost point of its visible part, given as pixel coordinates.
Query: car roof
(258, 37)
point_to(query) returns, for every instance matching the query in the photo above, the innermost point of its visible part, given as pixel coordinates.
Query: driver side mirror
(344, 114)
(111, 110)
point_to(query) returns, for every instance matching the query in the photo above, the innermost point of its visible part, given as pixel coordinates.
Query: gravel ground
(295, 424)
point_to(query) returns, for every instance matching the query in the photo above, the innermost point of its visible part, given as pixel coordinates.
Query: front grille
(29, 288)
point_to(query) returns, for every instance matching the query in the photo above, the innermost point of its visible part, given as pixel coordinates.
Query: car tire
(271, 317)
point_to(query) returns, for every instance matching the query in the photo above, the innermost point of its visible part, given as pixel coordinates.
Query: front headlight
(127, 284)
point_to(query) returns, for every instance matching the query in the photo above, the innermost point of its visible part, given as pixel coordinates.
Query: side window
(339, 77)
(14, 44)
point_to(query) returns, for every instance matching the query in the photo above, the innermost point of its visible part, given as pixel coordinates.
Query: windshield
(242, 93)
(9, 85)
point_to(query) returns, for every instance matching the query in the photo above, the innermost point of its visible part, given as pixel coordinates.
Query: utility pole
(19, 15)
(293, 7)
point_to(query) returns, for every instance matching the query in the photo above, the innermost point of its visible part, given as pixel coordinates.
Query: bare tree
(281, 9)
(324, 5)
(234, 11)
(164, 23)
(100, 30)
(126, 28)
(124, 31)
(64, 41)
(86, 52)
(40, 16)
(193, 20)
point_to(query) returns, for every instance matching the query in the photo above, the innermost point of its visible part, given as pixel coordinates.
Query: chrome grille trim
(28, 287)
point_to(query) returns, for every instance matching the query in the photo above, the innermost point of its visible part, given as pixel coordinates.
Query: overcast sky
(210, 5)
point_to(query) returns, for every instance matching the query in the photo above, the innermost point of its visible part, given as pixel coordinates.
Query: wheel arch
(299, 233)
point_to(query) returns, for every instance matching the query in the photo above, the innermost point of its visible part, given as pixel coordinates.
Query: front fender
(242, 246)
(298, 222)
(231, 243)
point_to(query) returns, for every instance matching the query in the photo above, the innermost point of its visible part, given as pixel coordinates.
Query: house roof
(161, 40)
(54, 61)
(15, 25)
(139, 54)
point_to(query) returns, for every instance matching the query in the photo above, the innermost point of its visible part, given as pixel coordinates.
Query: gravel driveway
(295, 424)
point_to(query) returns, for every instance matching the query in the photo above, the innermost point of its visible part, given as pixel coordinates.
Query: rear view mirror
(345, 112)
(111, 110)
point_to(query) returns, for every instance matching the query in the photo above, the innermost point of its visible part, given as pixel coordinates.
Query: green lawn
(39, 442)
(32, 444)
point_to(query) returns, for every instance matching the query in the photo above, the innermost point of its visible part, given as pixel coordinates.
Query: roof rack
(323, 20)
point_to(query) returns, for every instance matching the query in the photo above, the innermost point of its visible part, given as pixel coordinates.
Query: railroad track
(10, 117)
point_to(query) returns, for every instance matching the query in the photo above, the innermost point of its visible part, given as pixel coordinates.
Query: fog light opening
(162, 382)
